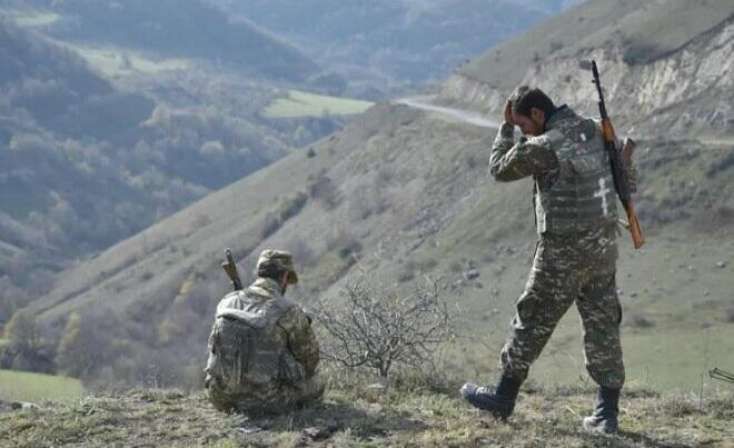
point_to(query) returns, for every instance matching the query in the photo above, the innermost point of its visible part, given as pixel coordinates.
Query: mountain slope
(666, 66)
(401, 194)
(409, 196)
(393, 45)
(85, 162)
(177, 28)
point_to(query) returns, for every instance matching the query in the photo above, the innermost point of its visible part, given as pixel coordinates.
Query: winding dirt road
(424, 103)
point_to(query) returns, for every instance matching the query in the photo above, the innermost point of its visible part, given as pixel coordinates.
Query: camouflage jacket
(260, 341)
(573, 188)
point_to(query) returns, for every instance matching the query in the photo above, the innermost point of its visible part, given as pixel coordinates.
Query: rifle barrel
(620, 181)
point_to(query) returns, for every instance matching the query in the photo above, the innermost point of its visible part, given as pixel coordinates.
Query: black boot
(604, 418)
(500, 401)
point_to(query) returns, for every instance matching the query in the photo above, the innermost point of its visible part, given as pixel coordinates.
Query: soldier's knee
(611, 379)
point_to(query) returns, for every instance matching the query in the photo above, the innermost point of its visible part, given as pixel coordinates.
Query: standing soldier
(576, 219)
(262, 351)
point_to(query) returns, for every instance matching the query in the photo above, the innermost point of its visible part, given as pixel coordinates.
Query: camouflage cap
(280, 259)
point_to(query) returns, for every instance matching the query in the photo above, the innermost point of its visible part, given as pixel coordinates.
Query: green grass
(31, 17)
(118, 62)
(300, 104)
(24, 386)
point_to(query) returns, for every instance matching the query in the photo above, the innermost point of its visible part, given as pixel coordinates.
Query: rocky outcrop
(688, 92)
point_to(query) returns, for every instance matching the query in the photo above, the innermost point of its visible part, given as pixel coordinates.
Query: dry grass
(355, 417)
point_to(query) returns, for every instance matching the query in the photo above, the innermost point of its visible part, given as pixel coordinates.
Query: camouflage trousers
(565, 270)
(287, 398)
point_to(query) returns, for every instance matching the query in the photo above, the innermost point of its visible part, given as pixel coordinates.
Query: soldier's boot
(604, 418)
(500, 401)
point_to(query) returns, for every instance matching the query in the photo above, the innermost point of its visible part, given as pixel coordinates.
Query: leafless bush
(379, 328)
(288, 208)
(325, 192)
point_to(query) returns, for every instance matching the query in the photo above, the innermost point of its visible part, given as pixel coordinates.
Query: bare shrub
(351, 248)
(292, 205)
(272, 224)
(379, 328)
(325, 192)
(407, 272)
(288, 208)
(678, 407)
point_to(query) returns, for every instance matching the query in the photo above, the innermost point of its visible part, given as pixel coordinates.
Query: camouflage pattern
(574, 187)
(262, 352)
(281, 259)
(574, 262)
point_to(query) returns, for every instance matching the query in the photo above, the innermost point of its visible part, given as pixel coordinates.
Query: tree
(22, 333)
(24, 349)
(90, 342)
(72, 356)
(379, 328)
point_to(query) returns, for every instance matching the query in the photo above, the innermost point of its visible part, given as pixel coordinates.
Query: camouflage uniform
(262, 351)
(576, 219)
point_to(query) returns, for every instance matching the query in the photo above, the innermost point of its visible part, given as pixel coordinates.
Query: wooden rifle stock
(635, 230)
(615, 160)
(230, 267)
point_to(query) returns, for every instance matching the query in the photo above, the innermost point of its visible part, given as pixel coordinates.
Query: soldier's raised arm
(528, 157)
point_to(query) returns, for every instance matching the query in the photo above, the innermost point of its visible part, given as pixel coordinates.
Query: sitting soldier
(262, 350)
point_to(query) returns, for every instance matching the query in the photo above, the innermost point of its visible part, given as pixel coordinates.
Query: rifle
(230, 267)
(721, 375)
(621, 184)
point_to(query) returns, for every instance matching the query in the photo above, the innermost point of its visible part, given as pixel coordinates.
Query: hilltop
(403, 194)
(361, 417)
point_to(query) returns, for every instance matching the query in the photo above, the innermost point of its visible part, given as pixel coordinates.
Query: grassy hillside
(401, 194)
(34, 387)
(666, 66)
(298, 104)
(645, 31)
(172, 28)
(99, 142)
(392, 45)
(359, 417)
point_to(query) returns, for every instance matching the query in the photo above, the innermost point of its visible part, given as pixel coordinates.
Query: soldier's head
(531, 107)
(277, 265)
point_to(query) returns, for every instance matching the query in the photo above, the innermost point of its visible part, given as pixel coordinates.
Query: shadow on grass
(623, 440)
(333, 416)
(649, 441)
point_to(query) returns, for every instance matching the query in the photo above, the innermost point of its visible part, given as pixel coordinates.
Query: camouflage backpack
(248, 352)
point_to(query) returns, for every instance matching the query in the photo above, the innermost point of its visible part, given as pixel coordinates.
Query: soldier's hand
(508, 113)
